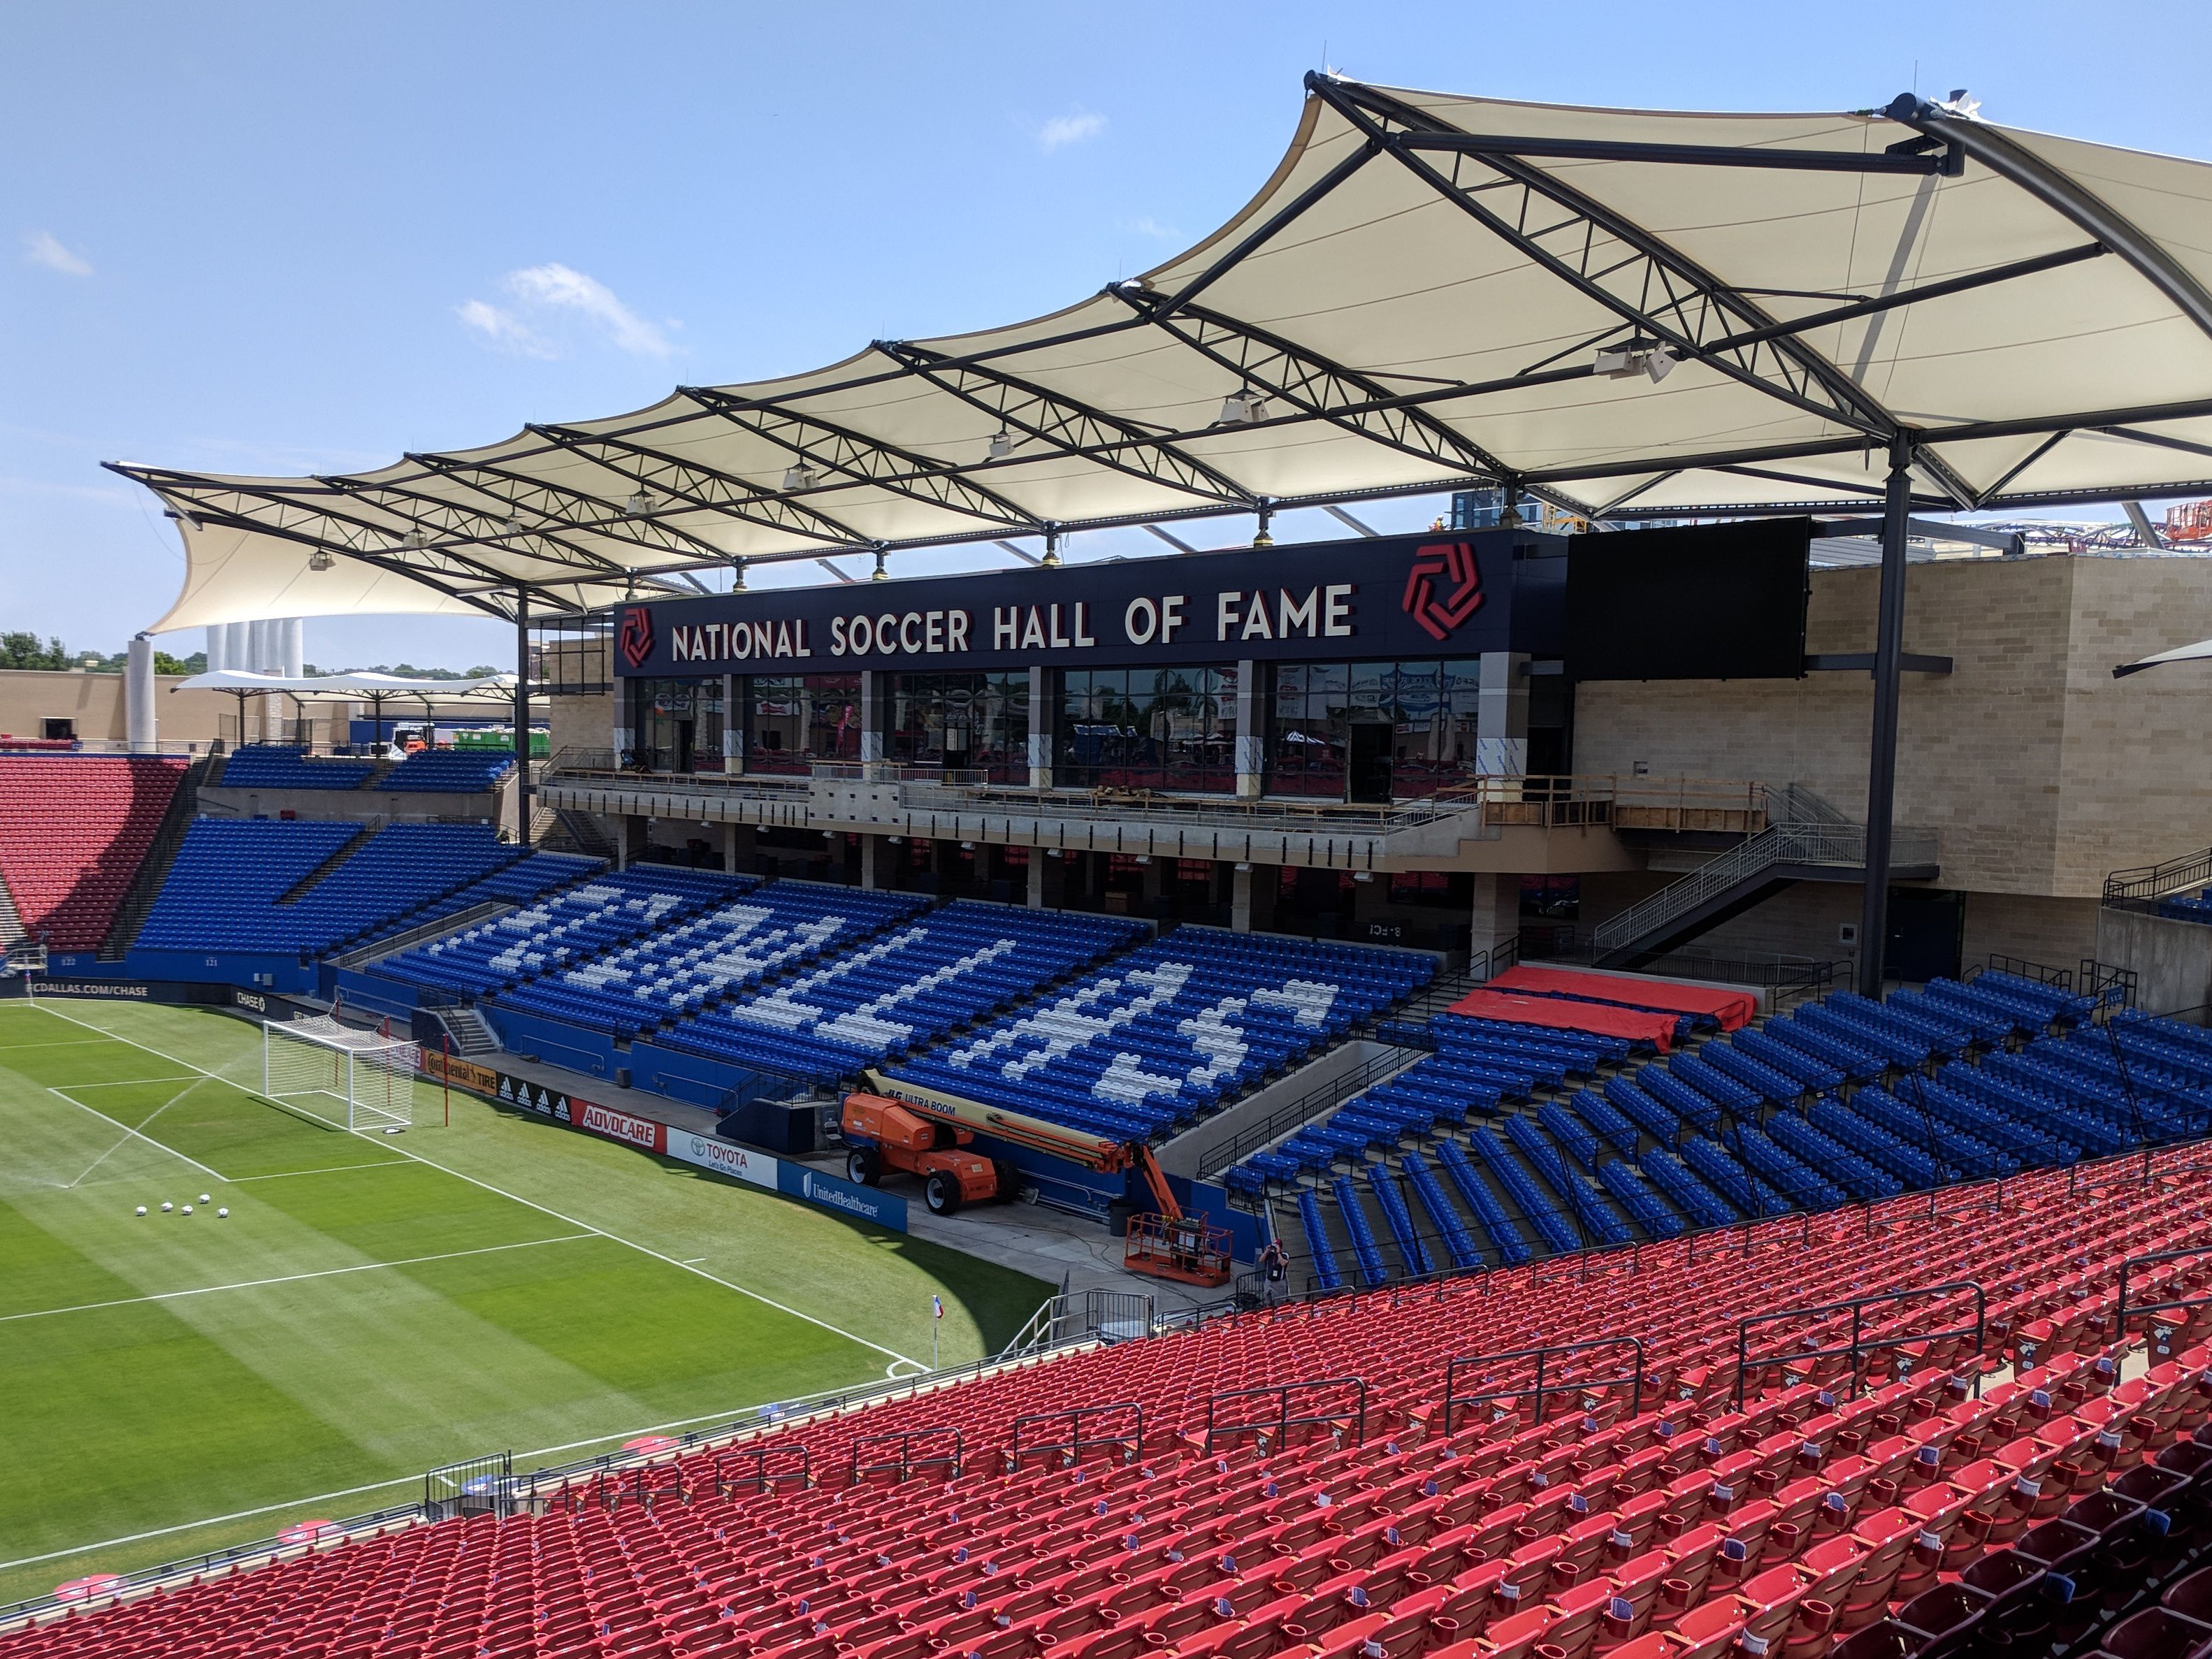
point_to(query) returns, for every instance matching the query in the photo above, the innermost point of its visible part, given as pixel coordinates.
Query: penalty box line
(893, 1354)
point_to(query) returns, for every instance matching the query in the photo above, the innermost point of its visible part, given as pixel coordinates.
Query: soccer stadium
(1625, 1076)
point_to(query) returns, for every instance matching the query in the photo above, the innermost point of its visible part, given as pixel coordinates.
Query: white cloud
(557, 285)
(543, 295)
(1071, 129)
(504, 329)
(1153, 227)
(43, 247)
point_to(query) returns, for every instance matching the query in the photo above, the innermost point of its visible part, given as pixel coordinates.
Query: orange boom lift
(1162, 1243)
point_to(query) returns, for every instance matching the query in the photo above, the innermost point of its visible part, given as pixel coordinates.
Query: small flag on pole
(936, 1307)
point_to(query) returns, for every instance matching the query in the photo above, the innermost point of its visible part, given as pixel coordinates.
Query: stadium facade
(1306, 741)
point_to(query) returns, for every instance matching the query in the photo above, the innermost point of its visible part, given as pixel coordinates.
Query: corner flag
(936, 1307)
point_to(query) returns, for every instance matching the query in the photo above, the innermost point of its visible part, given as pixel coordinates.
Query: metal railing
(1311, 1104)
(1823, 844)
(1858, 1344)
(2140, 888)
(1489, 805)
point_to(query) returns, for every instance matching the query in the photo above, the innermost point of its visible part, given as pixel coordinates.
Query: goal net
(356, 1079)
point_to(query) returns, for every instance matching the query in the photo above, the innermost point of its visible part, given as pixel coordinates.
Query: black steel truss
(1356, 401)
(855, 458)
(572, 508)
(704, 487)
(1063, 425)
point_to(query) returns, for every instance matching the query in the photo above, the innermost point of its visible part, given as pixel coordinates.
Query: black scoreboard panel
(1701, 602)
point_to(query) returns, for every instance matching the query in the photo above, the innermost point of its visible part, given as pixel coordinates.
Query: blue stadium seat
(281, 766)
(1162, 1037)
(231, 887)
(573, 927)
(1326, 1272)
(450, 771)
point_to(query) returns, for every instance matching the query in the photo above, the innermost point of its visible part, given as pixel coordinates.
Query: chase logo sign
(636, 634)
(1444, 587)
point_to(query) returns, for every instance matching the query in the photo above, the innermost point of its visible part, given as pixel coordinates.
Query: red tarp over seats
(1637, 1026)
(1732, 1008)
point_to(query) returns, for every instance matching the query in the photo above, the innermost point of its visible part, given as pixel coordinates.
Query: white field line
(132, 1133)
(334, 1168)
(895, 1355)
(143, 1122)
(385, 1485)
(289, 1279)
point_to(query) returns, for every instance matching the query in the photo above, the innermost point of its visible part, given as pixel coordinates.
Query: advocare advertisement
(1443, 594)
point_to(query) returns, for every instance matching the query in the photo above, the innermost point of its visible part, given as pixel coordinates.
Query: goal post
(354, 1080)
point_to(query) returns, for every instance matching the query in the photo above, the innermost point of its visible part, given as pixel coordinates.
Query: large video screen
(1701, 602)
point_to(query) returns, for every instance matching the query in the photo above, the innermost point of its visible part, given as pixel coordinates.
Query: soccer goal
(356, 1079)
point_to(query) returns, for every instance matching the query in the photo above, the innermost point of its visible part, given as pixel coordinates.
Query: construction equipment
(881, 1133)
(1161, 1243)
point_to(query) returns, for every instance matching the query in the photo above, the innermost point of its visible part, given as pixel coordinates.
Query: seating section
(74, 829)
(571, 927)
(878, 1000)
(678, 970)
(1162, 1037)
(1658, 1503)
(528, 878)
(228, 875)
(452, 771)
(279, 766)
(227, 888)
(1842, 1101)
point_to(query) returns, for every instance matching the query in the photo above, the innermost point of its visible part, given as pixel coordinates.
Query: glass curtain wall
(1428, 707)
(1147, 728)
(792, 720)
(678, 724)
(978, 722)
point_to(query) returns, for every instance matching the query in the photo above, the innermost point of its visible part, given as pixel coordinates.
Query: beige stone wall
(2041, 771)
(30, 697)
(2056, 931)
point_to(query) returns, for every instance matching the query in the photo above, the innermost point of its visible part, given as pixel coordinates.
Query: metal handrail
(2150, 881)
(1821, 843)
(1311, 1104)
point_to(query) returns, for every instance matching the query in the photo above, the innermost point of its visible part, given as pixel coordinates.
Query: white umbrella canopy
(1628, 312)
(490, 687)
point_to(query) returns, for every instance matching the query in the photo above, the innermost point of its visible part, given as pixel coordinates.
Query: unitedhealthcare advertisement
(792, 1180)
(846, 1197)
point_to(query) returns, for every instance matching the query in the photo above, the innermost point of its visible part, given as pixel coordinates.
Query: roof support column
(522, 717)
(1882, 759)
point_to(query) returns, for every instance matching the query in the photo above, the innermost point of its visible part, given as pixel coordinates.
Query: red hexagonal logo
(1434, 566)
(637, 636)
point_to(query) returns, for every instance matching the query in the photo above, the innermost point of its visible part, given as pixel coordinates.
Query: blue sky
(288, 238)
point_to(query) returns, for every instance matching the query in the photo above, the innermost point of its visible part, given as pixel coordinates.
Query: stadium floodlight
(1002, 444)
(322, 559)
(350, 1078)
(639, 504)
(801, 476)
(1242, 409)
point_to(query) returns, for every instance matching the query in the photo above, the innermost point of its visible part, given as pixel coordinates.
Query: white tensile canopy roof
(2200, 652)
(1629, 313)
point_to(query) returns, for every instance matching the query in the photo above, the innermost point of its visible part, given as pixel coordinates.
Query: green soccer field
(372, 1305)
